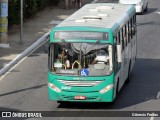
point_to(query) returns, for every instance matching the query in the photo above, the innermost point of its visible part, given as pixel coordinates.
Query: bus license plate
(79, 97)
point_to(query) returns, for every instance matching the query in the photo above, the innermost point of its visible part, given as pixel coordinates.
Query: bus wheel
(142, 11)
(146, 9)
(129, 76)
(117, 87)
(61, 102)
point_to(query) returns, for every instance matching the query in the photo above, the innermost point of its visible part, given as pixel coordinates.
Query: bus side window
(51, 56)
(131, 23)
(116, 64)
(128, 32)
(125, 33)
(122, 37)
(120, 40)
(134, 24)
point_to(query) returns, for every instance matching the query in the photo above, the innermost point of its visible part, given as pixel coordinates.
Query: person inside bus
(101, 57)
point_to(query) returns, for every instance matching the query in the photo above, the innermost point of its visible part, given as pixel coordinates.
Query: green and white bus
(74, 73)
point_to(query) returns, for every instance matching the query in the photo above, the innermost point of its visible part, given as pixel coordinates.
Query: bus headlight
(54, 88)
(105, 89)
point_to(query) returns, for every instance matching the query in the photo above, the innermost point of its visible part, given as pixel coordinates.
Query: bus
(99, 30)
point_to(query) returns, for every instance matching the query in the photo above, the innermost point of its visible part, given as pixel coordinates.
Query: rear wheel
(146, 9)
(129, 75)
(117, 88)
(142, 11)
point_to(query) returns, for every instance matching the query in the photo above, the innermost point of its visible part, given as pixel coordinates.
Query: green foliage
(13, 11)
(41, 4)
(31, 7)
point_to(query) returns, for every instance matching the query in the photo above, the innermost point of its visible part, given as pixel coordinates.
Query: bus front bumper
(89, 97)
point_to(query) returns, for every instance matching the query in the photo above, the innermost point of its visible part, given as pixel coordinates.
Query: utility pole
(21, 31)
(4, 23)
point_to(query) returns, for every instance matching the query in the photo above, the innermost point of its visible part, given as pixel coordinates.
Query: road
(25, 87)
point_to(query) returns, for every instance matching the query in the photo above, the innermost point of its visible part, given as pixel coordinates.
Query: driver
(101, 57)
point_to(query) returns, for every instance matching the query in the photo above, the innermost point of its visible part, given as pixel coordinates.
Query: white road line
(158, 95)
(1, 77)
(152, 118)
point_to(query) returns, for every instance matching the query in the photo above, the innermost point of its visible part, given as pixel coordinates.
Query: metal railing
(26, 52)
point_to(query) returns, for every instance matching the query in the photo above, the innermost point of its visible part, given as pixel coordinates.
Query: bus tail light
(105, 89)
(54, 88)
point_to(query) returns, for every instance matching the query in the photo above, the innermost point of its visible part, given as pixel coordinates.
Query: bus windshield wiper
(98, 41)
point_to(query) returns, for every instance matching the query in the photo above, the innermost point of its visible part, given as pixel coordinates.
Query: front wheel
(117, 91)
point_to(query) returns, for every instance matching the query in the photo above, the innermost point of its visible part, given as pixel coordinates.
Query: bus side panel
(134, 52)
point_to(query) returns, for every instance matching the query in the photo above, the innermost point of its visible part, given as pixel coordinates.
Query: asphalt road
(25, 87)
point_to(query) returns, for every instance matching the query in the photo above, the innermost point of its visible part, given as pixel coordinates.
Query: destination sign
(81, 35)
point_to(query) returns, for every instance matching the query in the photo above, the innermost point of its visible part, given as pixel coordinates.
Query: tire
(142, 11)
(117, 87)
(146, 9)
(129, 75)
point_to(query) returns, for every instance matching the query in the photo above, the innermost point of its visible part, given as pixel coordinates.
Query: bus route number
(65, 88)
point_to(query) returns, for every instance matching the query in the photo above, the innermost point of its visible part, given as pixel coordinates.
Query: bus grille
(80, 83)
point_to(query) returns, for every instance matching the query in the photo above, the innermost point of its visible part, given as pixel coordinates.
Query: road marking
(5, 74)
(152, 118)
(158, 95)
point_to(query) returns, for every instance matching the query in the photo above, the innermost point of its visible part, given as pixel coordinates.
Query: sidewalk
(33, 29)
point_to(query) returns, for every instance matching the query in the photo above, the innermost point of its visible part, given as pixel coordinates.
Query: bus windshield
(80, 59)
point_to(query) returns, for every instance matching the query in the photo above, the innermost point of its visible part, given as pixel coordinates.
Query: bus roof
(101, 15)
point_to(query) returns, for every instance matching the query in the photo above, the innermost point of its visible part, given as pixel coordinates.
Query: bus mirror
(119, 53)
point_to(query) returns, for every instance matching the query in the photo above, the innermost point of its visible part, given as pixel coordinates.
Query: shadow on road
(150, 10)
(147, 23)
(144, 86)
(21, 90)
